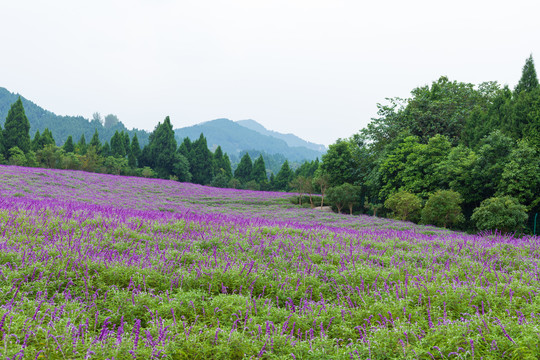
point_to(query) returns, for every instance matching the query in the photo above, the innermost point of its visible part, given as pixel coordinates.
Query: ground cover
(96, 266)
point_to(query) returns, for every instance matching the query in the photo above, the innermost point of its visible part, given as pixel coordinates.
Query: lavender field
(98, 266)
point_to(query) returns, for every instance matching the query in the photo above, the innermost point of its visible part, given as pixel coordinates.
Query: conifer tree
(68, 145)
(135, 151)
(201, 163)
(106, 149)
(46, 139)
(160, 153)
(283, 177)
(244, 169)
(95, 140)
(117, 145)
(1, 143)
(35, 142)
(127, 147)
(81, 145)
(17, 128)
(259, 171)
(529, 80)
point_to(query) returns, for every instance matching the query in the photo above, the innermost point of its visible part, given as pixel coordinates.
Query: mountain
(291, 139)
(63, 126)
(235, 138)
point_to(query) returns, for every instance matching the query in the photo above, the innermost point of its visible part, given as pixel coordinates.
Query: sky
(315, 68)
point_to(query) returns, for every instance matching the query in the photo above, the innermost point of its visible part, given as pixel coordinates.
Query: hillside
(291, 139)
(235, 138)
(62, 126)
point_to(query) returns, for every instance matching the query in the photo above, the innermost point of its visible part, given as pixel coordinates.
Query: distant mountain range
(234, 138)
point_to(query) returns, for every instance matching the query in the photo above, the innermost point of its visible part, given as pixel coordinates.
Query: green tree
(105, 150)
(529, 80)
(258, 173)
(135, 152)
(95, 142)
(322, 181)
(81, 146)
(117, 145)
(160, 153)
(16, 131)
(222, 164)
(244, 169)
(46, 138)
(405, 206)
(521, 175)
(504, 213)
(283, 177)
(181, 168)
(35, 145)
(16, 157)
(68, 145)
(338, 163)
(201, 162)
(335, 196)
(443, 209)
(351, 195)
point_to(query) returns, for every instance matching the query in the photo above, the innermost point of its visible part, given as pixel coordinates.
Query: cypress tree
(46, 139)
(35, 142)
(68, 145)
(283, 177)
(81, 145)
(2, 150)
(201, 163)
(126, 142)
(159, 154)
(17, 128)
(117, 145)
(259, 171)
(106, 149)
(244, 169)
(135, 151)
(95, 140)
(529, 80)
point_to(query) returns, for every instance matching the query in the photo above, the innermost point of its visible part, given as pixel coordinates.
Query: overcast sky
(316, 68)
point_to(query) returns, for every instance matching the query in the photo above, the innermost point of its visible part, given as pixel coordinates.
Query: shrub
(504, 213)
(405, 205)
(443, 209)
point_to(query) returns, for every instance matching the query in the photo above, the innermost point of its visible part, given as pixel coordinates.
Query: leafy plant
(504, 213)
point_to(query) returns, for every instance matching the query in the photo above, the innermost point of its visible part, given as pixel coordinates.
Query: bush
(443, 209)
(406, 206)
(504, 213)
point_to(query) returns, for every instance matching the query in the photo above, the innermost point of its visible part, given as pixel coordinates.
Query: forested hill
(63, 126)
(291, 139)
(235, 139)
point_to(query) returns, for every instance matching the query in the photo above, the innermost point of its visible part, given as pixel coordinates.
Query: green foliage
(159, 154)
(338, 162)
(283, 177)
(244, 169)
(68, 146)
(16, 157)
(220, 180)
(16, 128)
(201, 162)
(404, 205)
(443, 209)
(95, 142)
(504, 213)
(258, 173)
(135, 152)
(529, 80)
(81, 145)
(344, 195)
(117, 145)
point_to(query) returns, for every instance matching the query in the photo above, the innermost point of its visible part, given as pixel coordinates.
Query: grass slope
(97, 266)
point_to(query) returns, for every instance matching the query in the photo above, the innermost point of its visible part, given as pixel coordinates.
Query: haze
(313, 68)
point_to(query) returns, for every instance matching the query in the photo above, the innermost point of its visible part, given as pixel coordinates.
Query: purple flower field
(98, 266)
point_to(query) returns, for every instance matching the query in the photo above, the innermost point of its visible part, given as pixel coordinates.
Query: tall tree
(68, 145)
(81, 145)
(244, 169)
(283, 177)
(46, 138)
(117, 145)
(17, 128)
(258, 172)
(160, 152)
(135, 151)
(35, 145)
(338, 163)
(201, 163)
(529, 80)
(95, 142)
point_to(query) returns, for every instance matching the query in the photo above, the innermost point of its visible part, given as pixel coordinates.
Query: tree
(258, 173)
(46, 138)
(322, 180)
(95, 142)
(303, 186)
(96, 118)
(81, 146)
(351, 195)
(443, 209)
(16, 157)
(222, 164)
(135, 152)
(504, 213)
(283, 177)
(181, 168)
(117, 145)
(110, 121)
(68, 145)
(529, 80)
(244, 169)
(17, 128)
(335, 196)
(160, 152)
(338, 163)
(201, 162)
(521, 174)
(35, 145)
(406, 206)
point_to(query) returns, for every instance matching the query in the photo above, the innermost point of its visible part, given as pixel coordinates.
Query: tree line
(453, 154)
(162, 157)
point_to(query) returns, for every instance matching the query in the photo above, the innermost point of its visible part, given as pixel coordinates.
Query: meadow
(97, 266)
